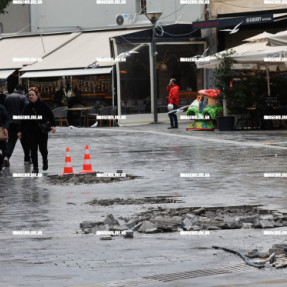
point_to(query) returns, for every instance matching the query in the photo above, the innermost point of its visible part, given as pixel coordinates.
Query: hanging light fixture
(153, 16)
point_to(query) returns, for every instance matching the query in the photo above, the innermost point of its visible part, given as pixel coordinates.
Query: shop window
(135, 80)
(141, 4)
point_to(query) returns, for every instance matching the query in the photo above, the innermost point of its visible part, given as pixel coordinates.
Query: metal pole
(151, 78)
(155, 96)
(268, 81)
(43, 43)
(64, 90)
(118, 78)
(113, 87)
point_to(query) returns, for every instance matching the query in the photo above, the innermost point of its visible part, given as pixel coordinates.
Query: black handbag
(44, 127)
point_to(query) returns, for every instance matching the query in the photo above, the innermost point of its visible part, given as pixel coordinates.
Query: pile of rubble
(275, 257)
(191, 218)
(89, 178)
(195, 219)
(137, 201)
(209, 218)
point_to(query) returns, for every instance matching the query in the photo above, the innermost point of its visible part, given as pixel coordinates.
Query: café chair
(108, 111)
(92, 115)
(60, 114)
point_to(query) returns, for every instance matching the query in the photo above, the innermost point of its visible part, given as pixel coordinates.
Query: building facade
(88, 14)
(175, 39)
(17, 19)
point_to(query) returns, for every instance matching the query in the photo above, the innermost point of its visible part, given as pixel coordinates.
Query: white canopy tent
(256, 53)
(278, 39)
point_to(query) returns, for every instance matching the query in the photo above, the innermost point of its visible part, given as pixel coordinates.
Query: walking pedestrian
(2, 96)
(4, 124)
(173, 99)
(15, 104)
(32, 129)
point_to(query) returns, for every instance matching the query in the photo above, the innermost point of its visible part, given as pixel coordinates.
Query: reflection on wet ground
(236, 178)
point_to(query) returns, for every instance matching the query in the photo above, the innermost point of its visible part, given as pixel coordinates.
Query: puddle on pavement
(89, 178)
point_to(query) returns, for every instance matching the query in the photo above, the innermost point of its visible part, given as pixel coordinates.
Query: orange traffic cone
(68, 169)
(87, 167)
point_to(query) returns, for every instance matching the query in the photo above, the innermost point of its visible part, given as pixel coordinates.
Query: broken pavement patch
(89, 178)
(193, 219)
(136, 201)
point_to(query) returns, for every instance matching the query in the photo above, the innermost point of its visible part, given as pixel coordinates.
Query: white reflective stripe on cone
(87, 161)
(68, 164)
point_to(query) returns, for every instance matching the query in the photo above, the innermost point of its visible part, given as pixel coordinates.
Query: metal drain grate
(171, 277)
(123, 283)
(199, 273)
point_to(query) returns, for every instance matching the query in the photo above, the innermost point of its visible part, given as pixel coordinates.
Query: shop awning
(4, 74)
(18, 51)
(60, 73)
(81, 52)
(278, 39)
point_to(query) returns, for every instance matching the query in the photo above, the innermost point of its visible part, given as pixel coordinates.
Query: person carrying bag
(4, 124)
(173, 102)
(37, 127)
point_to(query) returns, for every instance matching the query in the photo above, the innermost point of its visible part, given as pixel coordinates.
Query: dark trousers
(12, 131)
(38, 140)
(2, 152)
(173, 117)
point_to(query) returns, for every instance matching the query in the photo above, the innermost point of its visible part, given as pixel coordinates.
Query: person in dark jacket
(4, 123)
(15, 104)
(173, 99)
(31, 128)
(2, 96)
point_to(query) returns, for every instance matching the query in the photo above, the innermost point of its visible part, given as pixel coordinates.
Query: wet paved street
(63, 256)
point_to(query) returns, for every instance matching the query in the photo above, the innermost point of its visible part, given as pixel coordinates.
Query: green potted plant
(222, 78)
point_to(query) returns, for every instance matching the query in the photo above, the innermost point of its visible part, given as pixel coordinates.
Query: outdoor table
(257, 114)
(80, 110)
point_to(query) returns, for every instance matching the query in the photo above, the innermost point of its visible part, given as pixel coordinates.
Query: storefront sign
(231, 22)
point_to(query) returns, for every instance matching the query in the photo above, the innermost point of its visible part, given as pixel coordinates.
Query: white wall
(89, 14)
(17, 18)
(173, 11)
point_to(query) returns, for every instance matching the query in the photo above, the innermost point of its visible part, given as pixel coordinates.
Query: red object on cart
(213, 93)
